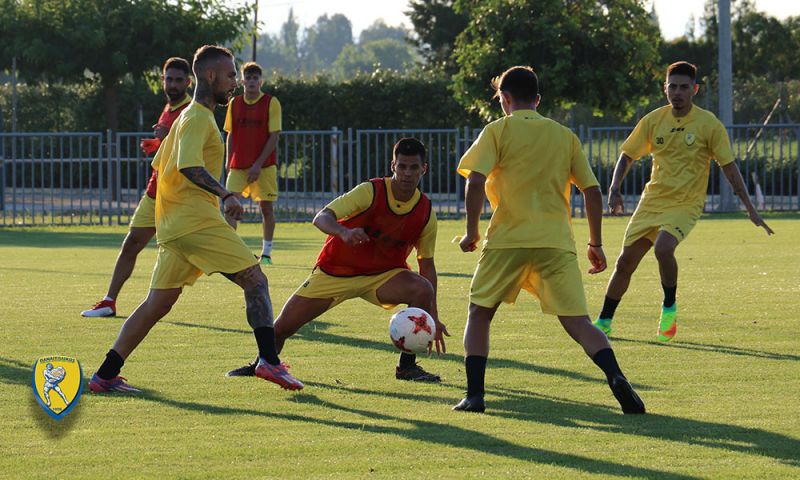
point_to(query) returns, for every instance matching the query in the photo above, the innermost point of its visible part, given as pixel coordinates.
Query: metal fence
(98, 178)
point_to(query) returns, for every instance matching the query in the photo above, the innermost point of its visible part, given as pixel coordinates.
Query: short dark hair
(177, 63)
(682, 68)
(520, 82)
(409, 146)
(251, 67)
(209, 53)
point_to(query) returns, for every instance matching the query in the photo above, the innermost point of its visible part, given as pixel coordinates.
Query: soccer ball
(412, 330)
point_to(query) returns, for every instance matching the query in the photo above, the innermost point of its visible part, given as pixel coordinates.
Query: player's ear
(696, 88)
(537, 100)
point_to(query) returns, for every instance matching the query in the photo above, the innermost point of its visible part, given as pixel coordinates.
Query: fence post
(334, 161)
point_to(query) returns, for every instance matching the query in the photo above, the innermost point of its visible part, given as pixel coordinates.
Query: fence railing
(98, 178)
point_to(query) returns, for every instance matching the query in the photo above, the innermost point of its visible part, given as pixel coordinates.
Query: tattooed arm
(200, 177)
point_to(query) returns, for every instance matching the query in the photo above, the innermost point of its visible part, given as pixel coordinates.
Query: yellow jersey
(275, 123)
(529, 162)
(181, 206)
(682, 149)
(359, 199)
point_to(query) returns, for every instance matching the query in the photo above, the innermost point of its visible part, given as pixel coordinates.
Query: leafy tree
(325, 40)
(106, 41)
(388, 53)
(379, 30)
(600, 53)
(437, 23)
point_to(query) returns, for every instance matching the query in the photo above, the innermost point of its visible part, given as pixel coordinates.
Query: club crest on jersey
(689, 139)
(57, 383)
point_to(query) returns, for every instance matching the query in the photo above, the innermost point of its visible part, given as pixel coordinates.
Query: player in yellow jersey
(525, 164)
(193, 236)
(682, 138)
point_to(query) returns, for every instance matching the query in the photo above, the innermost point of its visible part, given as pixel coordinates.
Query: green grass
(722, 398)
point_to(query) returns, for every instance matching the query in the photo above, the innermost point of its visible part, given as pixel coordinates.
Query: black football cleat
(626, 396)
(245, 371)
(415, 373)
(471, 404)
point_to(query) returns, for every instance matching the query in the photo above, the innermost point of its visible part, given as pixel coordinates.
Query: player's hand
(597, 258)
(233, 208)
(438, 338)
(253, 173)
(469, 243)
(160, 131)
(759, 222)
(354, 237)
(616, 206)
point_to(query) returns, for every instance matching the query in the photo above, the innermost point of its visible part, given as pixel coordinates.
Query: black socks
(669, 295)
(607, 362)
(111, 365)
(265, 338)
(476, 372)
(407, 360)
(609, 307)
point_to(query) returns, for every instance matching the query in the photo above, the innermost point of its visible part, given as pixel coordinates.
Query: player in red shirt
(253, 123)
(371, 231)
(175, 80)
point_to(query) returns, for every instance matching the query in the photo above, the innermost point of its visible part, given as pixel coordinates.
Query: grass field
(723, 398)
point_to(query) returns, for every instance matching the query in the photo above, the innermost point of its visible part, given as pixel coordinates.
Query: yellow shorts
(263, 189)
(217, 249)
(550, 274)
(647, 224)
(321, 285)
(145, 214)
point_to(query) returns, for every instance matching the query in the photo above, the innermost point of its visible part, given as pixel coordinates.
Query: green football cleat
(668, 324)
(266, 260)
(603, 324)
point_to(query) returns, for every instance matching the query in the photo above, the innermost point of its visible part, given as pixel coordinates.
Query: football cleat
(415, 373)
(277, 374)
(103, 308)
(626, 396)
(114, 385)
(266, 260)
(668, 324)
(471, 404)
(604, 324)
(248, 370)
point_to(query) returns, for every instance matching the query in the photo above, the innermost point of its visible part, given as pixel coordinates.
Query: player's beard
(174, 95)
(221, 97)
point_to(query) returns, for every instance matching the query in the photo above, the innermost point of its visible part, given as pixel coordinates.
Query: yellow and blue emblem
(57, 384)
(689, 139)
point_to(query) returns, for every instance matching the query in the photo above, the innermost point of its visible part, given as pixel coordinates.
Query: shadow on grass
(524, 405)
(315, 332)
(705, 347)
(443, 434)
(454, 275)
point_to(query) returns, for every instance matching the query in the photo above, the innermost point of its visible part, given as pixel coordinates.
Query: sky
(673, 15)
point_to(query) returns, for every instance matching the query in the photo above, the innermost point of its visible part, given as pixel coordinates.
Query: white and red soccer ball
(412, 330)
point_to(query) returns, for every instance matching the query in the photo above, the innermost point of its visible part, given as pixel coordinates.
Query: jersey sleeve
(426, 245)
(191, 139)
(720, 145)
(481, 156)
(580, 171)
(353, 202)
(228, 118)
(275, 120)
(638, 143)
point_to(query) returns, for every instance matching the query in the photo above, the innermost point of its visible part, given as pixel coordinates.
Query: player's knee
(252, 279)
(664, 252)
(266, 210)
(625, 265)
(422, 290)
(132, 246)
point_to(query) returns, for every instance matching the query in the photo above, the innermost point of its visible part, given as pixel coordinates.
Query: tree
(437, 23)
(600, 53)
(379, 30)
(325, 40)
(106, 41)
(388, 53)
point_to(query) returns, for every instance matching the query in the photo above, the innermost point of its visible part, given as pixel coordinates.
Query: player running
(682, 139)
(193, 237)
(174, 80)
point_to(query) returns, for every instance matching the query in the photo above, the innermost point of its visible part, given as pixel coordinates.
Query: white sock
(108, 299)
(266, 249)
